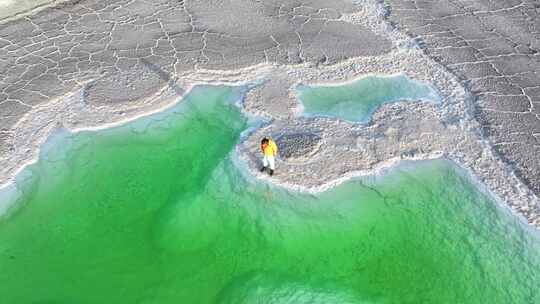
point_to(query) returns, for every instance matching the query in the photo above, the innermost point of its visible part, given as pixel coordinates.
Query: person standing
(269, 150)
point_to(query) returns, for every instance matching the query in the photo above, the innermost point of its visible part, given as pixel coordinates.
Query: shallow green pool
(356, 101)
(156, 211)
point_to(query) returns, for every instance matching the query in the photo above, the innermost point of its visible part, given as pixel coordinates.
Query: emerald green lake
(157, 211)
(356, 101)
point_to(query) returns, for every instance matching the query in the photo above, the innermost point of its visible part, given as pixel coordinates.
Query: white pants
(269, 161)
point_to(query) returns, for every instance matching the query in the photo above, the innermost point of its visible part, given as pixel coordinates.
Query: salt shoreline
(466, 147)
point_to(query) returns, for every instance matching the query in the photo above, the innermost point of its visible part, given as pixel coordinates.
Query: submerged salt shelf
(155, 211)
(356, 101)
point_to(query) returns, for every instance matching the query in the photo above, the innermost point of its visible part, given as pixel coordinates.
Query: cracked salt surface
(60, 65)
(493, 47)
(359, 99)
(62, 60)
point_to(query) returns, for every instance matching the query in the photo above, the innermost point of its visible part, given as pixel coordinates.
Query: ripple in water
(155, 212)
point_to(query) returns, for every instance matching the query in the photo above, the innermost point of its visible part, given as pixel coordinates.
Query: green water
(356, 101)
(156, 211)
